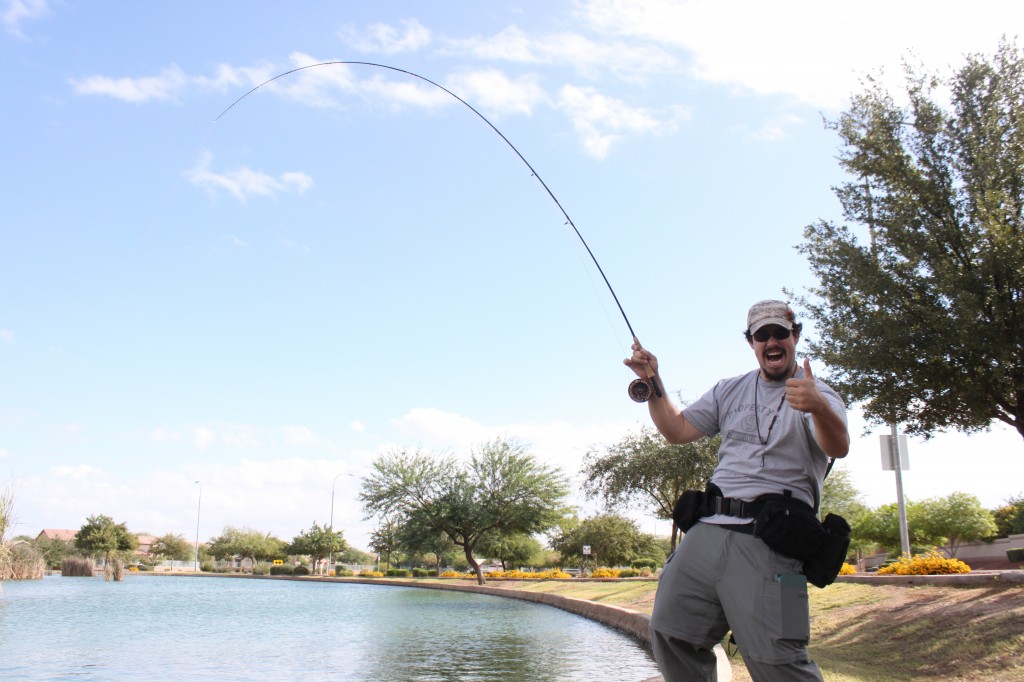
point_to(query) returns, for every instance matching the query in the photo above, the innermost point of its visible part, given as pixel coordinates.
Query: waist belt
(731, 506)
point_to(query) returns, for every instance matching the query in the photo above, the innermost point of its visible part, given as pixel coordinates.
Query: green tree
(958, 518)
(246, 544)
(881, 526)
(1010, 517)
(351, 555)
(172, 546)
(501, 489)
(384, 540)
(317, 543)
(924, 323)
(644, 469)
(514, 550)
(100, 536)
(613, 540)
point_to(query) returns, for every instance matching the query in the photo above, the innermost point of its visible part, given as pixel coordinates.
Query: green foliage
(929, 563)
(614, 541)
(945, 521)
(397, 573)
(282, 569)
(1009, 518)
(500, 490)
(207, 567)
(101, 536)
(517, 549)
(246, 544)
(317, 543)
(341, 572)
(423, 573)
(643, 468)
(644, 563)
(173, 546)
(958, 517)
(924, 323)
(300, 570)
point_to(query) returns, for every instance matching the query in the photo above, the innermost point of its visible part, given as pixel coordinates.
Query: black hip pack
(791, 527)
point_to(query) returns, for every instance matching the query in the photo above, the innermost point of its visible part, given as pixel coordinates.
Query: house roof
(62, 534)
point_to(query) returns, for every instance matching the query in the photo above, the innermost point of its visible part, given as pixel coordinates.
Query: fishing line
(640, 389)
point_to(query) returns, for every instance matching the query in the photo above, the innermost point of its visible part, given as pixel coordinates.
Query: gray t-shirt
(758, 456)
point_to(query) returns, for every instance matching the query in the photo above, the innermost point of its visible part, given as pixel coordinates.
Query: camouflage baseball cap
(768, 312)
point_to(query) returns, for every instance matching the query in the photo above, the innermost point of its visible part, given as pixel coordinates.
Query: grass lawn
(877, 633)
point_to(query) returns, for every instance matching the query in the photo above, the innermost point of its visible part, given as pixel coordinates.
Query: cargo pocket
(785, 606)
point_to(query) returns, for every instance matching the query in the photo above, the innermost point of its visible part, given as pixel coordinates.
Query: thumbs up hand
(803, 394)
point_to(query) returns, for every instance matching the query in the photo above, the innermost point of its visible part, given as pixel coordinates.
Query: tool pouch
(823, 567)
(789, 527)
(688, 509)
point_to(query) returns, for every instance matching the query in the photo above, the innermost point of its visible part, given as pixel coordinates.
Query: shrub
(847, 569)
(77, 567)
(629, 573)
(281, 569)
(300, 570)
(262, 568)
(930, 563)
(207, 567)
(398, 573)
(423, 573)
(605, 572)
(456, 574)
(645, 563)
(343, 572)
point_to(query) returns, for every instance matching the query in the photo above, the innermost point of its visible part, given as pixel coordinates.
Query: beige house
(61, 534)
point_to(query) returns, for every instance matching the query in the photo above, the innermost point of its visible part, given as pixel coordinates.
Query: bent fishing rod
(639, 390)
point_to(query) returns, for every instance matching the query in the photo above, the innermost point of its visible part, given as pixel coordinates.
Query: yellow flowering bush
(456, 574)
(847, 569)
(516, 574)
(930, 563)
(605, 572)
(370, 574)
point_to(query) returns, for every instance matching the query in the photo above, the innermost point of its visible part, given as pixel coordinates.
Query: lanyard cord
(757, 422)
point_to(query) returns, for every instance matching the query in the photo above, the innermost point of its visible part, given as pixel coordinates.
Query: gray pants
(718, 580)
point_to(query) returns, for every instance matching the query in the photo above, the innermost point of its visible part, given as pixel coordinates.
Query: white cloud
(810, 50)
(602, 121)
(6, 335)
(19, 11)
(4, 453)
(776, 128)
(202, 437)
(164, 87)
(299, 436)
(245, 182)
(79, 473)
(514, 45)
(382, 38)
(493, 91)
(357, 426)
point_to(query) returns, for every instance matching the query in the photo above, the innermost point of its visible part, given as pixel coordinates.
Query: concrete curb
(972, 578)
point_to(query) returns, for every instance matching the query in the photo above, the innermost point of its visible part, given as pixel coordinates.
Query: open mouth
(775, 356)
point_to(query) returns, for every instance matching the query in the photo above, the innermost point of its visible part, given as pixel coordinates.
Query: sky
(211, 320)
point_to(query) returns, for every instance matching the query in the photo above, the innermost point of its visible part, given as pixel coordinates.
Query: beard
(782, 374)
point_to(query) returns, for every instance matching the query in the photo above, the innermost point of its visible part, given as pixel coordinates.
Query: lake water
(185, 628)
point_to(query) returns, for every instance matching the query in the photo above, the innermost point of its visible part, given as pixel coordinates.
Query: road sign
(889, 457)
(586, 549)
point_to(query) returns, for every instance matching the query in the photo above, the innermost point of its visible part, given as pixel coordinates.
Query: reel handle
(640, 389)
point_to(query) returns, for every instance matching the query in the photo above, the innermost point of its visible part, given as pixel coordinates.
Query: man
(779, 427)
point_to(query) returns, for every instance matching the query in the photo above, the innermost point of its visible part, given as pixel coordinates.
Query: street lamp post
(330, 556)
(199, 508)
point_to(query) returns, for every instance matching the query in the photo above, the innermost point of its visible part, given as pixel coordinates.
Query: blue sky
(350, 261)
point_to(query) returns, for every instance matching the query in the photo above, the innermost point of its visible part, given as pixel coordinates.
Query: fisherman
(779, 427)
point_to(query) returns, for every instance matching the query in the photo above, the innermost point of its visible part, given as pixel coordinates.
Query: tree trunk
(474, 565)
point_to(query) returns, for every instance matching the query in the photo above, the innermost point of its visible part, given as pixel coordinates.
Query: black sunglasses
(778, 333)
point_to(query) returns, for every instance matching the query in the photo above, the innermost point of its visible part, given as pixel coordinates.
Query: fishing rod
(639, 389)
